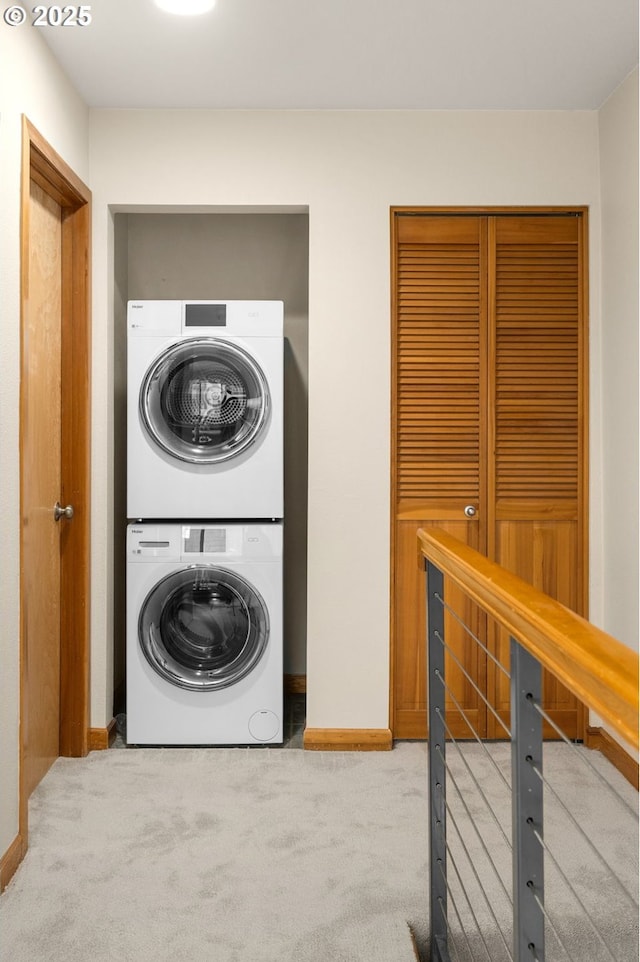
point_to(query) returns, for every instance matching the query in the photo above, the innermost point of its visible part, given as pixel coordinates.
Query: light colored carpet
(222, 854)
(227, 855)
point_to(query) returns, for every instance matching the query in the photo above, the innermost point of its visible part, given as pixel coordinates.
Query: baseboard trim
(295, 684)
(11, 860)
(348, 739)
(603, 742)
(101, 738)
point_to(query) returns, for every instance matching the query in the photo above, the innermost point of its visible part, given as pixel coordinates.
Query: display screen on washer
(205, 315)
(204, 540)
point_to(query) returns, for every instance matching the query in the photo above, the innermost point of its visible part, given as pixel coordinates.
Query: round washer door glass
(203, 628)
(204, 400)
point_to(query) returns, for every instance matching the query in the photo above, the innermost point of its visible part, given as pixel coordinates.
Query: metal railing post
(526, 806)
(437, 770)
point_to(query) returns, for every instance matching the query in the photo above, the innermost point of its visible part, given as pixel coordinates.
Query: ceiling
(353, 54)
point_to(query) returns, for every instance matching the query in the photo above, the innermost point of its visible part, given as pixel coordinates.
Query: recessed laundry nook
(249, 267)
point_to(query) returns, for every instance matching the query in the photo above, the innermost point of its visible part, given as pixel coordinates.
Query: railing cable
(454, 864)
(571, 888)
(584, 835)
(474, 732)
(471, 681)
(474, 779)
(449, 929)
(584, 759)
(466, 628)
(455, 904)
(479, 883)
(475, 873)
(476, 830)
(549, 921)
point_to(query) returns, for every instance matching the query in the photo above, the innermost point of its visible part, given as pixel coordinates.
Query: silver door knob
(470, 511)
(60, 512)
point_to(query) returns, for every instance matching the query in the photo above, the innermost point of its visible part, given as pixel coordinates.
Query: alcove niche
(231, 254)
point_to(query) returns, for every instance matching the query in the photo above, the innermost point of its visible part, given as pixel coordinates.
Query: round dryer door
(203, 628)
(204, 400)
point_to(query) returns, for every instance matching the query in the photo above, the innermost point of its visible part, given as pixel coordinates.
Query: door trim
(41, 163)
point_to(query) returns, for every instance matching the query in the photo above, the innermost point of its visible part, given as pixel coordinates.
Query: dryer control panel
(197, 318)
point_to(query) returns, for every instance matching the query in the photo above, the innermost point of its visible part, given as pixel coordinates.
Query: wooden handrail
(598, 669)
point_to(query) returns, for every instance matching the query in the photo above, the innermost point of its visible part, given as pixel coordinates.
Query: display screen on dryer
(205, 315)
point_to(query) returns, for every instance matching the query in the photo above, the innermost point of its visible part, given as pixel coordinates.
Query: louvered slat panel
(437, 365)
(488, 347)
(536, 373)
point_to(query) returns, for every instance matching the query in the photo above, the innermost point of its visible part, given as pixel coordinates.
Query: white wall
(618, 126)
(32, 83)
(618, 123)
(348, 168)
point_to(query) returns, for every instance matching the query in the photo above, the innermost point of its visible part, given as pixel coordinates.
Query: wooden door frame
(42, 164)
(584, 388)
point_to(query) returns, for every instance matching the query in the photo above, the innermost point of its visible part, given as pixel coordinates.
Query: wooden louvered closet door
(488, 413)
(440, 439)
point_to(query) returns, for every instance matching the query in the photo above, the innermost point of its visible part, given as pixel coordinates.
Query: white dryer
(205, 409)
(204, 633)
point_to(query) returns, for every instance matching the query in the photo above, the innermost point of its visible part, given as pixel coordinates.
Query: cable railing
(533, 837)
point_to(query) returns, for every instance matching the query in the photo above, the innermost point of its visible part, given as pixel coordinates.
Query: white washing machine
(205, 409)
(204, 633)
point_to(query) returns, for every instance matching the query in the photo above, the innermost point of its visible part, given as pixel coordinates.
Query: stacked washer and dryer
(205, 506)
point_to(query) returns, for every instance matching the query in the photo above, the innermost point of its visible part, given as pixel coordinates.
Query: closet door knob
(60, 512)
(470, 511)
